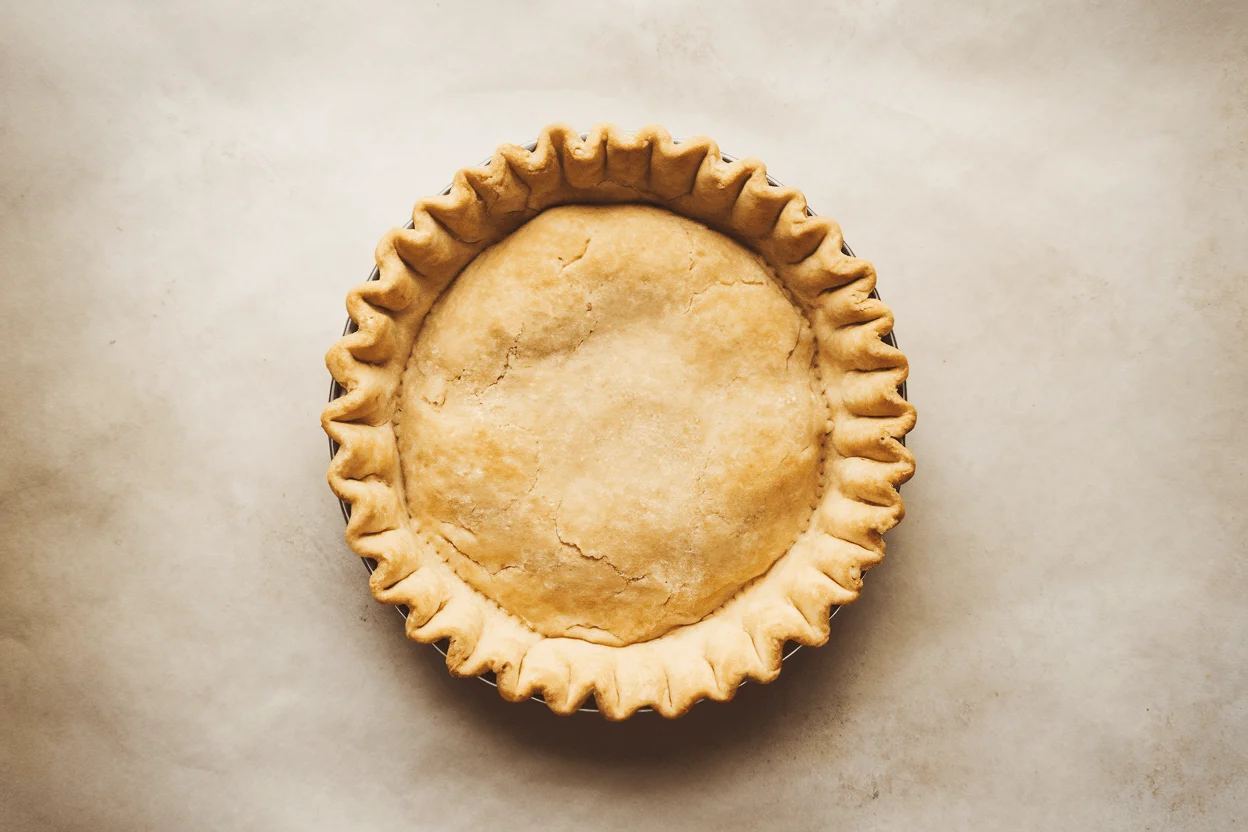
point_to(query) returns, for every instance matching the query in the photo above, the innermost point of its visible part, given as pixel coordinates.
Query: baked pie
(619, 422)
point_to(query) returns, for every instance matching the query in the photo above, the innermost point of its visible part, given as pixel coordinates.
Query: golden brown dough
(611, 417)
(593, 473)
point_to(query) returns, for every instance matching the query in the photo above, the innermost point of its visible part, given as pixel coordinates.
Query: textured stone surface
(1054, 197)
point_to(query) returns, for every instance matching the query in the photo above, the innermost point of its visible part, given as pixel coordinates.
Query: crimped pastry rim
(564, 145)
(336, 390)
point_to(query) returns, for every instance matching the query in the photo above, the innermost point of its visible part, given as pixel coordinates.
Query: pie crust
(618, 422)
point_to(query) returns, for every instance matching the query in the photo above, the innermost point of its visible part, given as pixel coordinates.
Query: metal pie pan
(336, 390)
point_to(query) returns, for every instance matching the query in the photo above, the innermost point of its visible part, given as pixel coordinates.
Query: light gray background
(1055, 196)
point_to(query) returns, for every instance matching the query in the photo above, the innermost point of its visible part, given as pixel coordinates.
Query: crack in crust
(603, 559)
(863, 459)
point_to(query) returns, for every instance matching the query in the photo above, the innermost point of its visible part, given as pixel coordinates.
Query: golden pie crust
(619, 422)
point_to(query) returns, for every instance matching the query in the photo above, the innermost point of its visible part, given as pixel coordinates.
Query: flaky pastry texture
(863, 458)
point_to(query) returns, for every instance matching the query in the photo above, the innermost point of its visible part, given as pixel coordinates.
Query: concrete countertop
(1054, 195)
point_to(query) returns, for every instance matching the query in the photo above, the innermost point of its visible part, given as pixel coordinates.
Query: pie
(619, 422)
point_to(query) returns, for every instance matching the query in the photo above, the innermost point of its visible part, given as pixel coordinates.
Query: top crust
(859, 375)
(611, 419)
